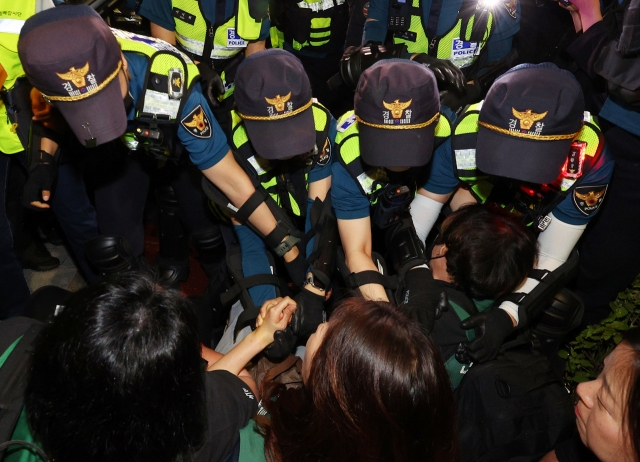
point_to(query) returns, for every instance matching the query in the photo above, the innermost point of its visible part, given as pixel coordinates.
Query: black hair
(489, 253)
(118, 376)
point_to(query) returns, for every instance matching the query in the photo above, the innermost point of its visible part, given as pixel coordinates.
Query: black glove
(456, 101)
(282, 346)
(309, 314)
(491, 327)
(212, 85)
(297, 269)
(40, 179)
(423, 299)
(448, 75)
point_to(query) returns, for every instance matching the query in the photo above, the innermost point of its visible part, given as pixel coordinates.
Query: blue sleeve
(255, 261)
(204, 151)
(442, 179)
(158, 12)
(597, 179)
(377, 30)
(307, 228)
(324, 171)
(505, 27)
(348, 201)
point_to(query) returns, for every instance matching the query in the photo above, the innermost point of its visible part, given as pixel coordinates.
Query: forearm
(49, 146)
(213, 357)
(163, 34)
(359, 261)
(240, 355)
(425, 210)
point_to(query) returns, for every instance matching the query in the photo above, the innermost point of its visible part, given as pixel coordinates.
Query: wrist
(262, 337)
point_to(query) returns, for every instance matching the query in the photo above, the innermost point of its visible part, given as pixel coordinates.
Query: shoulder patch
(324, 156)
(349, 121)
(511, 6)
(588, 199)
(197, 123)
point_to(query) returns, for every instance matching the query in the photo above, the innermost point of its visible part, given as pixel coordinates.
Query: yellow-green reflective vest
(229, 37)
(166, 64)
(319, 26)
(13, 14)
(289, 190)
(483, 187)
(370, 179)
(455, 45)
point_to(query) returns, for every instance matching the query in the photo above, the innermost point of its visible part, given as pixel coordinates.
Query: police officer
(152, 90)
(315, 32)
(13, 135)
(531, 148)
(475, 35)
(382, 149)
(284, 139)
(216, 35)
(607, 52)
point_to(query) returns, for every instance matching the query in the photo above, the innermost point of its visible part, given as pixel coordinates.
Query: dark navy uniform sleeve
(377, 30)
(207, 144)
(348, 201)
(158, 12)
(320, 172)
(576, 211)
(264, 29)
(505, 27)
(442, 179)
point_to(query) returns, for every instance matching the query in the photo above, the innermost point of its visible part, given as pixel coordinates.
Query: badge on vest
(347, 123)
(176, 83)
(197, 123)
(324, 156)
(406, 35)
(234, 40)
(183, 16)
(587, 199)
(463, 50)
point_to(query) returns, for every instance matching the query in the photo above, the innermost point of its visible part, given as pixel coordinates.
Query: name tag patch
(183, 16)
(234, 40)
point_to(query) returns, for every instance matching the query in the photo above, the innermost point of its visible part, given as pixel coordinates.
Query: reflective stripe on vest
(319, 25)
(463, 145)
(229, 38)
(454, 45)
(9, 33)
(320, 6)
(348, 146)
(242, 147)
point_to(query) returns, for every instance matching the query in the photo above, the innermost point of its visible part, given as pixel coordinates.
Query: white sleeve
(554, 244)
(424, 212)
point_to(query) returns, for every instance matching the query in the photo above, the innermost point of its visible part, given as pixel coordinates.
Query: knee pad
(111, 255)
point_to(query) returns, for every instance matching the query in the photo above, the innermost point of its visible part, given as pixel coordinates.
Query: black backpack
(514, 408)
(16, 346)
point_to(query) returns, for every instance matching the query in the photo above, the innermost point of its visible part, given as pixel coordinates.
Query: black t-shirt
(573, 450)
(230, 405)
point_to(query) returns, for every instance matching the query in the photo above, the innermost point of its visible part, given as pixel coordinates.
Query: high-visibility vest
(13, 15)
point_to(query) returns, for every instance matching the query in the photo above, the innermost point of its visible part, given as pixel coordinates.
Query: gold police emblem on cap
(527, 118)
(278, 101)
(76, 76)
(397, 107)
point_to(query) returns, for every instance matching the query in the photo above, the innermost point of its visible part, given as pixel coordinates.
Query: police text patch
(183, 16)
(197, 123)
(587, 199)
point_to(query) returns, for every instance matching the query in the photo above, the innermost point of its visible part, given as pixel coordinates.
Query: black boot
(172, 260)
